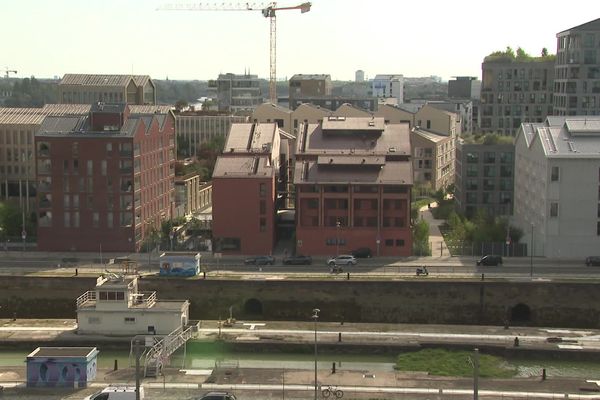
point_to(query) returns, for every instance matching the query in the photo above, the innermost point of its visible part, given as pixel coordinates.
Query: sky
(415, 38)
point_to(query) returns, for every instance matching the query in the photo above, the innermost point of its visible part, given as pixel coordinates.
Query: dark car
(260, 260)
(217, 396)
(490, 260)
(592, 261)
(298, 259)
(362, 252)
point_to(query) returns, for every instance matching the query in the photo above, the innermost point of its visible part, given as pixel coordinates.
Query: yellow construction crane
(7, 72)
(268, 11)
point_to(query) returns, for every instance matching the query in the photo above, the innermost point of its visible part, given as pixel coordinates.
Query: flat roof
(58, 352)
(244, 138)
(240, 166)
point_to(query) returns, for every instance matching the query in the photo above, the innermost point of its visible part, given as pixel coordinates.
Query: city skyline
(337, 37)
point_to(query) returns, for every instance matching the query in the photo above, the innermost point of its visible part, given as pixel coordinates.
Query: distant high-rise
(577, 70)
(359, 76)
(464, 87)
(389, 86)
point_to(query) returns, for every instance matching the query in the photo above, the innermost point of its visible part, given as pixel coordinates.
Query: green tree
(544, 52)
(421, 238)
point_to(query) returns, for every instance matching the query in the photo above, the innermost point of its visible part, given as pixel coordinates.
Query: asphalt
(256, 382)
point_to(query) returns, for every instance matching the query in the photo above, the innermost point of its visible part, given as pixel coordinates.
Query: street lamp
(337, 238)
(315, 317)
(531, 255)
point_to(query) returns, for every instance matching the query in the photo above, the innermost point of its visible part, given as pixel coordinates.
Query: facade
(463, 109)
(395, 115)
(513, 92)
(484, 178)
(464, 87)
(249, 169)
(438, 121)
(269, 112)
(62, 367)
(557, 190)
(105, 178)
(237, 93)
(386, 86)
(353, 179)
(313, 85)
(433, 159)
(92, 88)
(577, 70)
(194, 128)
(333, 102)
(116, 307)
(192, 195)
(17, 154)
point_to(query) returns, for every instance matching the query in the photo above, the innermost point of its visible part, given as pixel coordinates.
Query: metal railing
(90, 295)
(159, 353)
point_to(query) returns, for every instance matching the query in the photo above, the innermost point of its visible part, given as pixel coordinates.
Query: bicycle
(332, 390)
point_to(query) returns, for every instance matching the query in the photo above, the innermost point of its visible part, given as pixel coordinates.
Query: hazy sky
(415, 38)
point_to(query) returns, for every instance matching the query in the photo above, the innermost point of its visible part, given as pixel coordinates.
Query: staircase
(158, 355)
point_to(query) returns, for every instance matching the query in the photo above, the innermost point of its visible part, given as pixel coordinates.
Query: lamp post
(315, 317)
(337, 238)
(531, 255)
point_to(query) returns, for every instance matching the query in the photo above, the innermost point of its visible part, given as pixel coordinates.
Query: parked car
(298, 259)
(362, 252)
(490, 260)
(260, 260)
(217, 396)
(592, 261)
(343, 259)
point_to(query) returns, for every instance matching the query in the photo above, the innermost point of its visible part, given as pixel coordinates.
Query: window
(94, 320)
(263, 224)
(553, 209)
(554, 174)
(130, 320)
(389, 242)
(90, 167)
(262, 189)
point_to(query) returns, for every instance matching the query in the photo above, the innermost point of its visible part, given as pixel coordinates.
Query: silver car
(343, 259)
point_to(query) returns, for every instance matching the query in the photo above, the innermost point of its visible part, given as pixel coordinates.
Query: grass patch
(454, 363)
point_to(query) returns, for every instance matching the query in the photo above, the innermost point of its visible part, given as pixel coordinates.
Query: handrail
(90, 295)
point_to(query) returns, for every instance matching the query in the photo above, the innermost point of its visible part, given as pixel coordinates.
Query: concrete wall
(424, 301)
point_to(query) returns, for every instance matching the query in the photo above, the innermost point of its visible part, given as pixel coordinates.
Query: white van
(116, 393)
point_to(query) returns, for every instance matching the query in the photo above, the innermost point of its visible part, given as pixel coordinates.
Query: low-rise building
(237, 93)
(557, 189)
(116, 307)
(92, 88)
(309, 85)
(64, 367)
(433, 159)
(192, 195)
(353, 179)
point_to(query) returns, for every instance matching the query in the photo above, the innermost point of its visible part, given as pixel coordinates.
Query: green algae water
(206, 354)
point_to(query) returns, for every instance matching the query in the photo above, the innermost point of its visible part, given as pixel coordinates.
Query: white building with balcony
(117, 307)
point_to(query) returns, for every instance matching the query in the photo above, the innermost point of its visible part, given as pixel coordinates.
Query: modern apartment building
(312, 85)
(192, 195)
(464, 87)
(513, 92)
(577, 70)
(105, 179)
(194, 128)
(237, 93)
(17, 156)
(92, 88)
(484, 178)
(245, 190)
(353, 179)
(433, 159)
(557, 189)
(389, 86)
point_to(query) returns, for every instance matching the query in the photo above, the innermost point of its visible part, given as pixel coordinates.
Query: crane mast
(268, 10)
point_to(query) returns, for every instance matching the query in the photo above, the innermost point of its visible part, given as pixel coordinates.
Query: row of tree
(482, 228)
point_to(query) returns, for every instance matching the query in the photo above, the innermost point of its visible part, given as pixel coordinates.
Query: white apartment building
(389, 86)
(557, 186)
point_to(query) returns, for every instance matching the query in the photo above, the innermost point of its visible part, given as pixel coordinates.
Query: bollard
(516, 341)
(14, 316)
(348, 276)
(333, 368)
(339, 336)
(76, 272)
(204, 273)
(116, 367)
(543, 374)
(482, 276)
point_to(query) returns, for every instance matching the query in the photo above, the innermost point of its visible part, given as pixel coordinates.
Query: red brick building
(353, 179)
(104, 179)
(245, 186)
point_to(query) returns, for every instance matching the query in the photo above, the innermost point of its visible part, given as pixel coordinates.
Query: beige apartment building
(192, 195)
(269, 112)
(433, 159)
(439, 121)
(311, 85)
(395, 115)
(92, 88)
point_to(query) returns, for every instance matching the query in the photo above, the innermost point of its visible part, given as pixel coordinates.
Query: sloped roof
(593, 25)
(103, 80)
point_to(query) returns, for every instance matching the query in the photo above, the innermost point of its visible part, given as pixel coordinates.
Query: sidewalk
(436, 240)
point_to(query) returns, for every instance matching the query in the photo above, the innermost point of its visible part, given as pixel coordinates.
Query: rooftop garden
(509, 55)
(489, 139)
